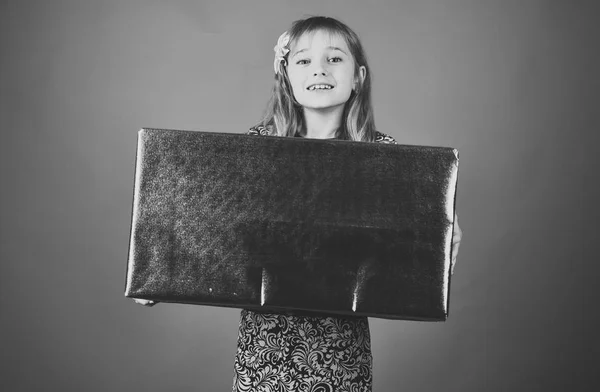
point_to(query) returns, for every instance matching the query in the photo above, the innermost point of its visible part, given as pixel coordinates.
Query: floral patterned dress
(302, 351)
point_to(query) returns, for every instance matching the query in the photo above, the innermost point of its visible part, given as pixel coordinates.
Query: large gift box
(292, 224)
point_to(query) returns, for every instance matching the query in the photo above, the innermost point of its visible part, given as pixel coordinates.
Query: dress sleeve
(258, 130)
(381, 137)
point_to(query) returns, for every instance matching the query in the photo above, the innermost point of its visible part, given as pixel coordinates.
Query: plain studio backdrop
(513, 85)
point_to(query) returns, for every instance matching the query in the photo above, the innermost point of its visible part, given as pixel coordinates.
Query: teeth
(320, 87)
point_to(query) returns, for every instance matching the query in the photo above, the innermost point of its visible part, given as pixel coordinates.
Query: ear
(362, 74)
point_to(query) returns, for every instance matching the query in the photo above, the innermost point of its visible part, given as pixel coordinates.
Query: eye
(302, 62)
(335, 59)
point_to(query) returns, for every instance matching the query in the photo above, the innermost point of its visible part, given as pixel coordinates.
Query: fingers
(455, 247)
(144, 302)
(457, 229)
(456, 238)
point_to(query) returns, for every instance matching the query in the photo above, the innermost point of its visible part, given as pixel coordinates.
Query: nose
(320, 69)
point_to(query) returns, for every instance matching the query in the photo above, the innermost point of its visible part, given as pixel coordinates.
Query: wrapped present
(292, 224)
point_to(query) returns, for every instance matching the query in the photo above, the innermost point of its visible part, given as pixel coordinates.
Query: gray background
(514, 85)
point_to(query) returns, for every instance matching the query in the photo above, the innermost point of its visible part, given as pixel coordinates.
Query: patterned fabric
(380, 137)
(304, 352)
(383, 138)
(286, 352)
(259, 130)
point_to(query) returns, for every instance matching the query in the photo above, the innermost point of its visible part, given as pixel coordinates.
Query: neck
(322, 123)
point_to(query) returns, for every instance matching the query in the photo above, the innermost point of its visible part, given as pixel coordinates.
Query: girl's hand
(455, 243)
(144, 302)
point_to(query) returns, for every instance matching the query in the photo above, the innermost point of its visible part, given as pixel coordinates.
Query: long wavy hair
(284, 115)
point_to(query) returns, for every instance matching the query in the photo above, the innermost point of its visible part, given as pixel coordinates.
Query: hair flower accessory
(280, 51)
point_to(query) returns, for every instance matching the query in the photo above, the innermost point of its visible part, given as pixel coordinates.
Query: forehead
(319, 39)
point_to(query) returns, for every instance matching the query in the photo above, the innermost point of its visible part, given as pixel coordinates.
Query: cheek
(296, 84)
(345, 86)
(349, 77)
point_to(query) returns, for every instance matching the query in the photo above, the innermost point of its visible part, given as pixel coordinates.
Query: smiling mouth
(319, 87)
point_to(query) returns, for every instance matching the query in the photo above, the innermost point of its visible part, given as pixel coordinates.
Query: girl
(322, 90)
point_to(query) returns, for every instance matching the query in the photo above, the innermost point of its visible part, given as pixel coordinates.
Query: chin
(322, 104)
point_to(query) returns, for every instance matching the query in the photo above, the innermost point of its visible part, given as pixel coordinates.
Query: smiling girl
(322, 90)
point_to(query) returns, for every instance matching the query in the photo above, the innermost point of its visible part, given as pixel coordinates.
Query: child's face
(321, 59)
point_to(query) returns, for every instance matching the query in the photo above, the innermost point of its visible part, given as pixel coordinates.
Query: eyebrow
(329, 47)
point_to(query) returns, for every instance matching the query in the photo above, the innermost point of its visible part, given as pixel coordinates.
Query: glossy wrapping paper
(292, 224)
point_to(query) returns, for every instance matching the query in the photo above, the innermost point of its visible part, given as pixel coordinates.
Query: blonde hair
(285, 115)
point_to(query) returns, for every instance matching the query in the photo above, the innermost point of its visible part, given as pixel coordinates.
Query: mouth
(322, 86)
